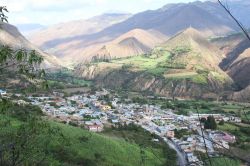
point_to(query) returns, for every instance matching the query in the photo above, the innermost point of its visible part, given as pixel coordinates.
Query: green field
(65, 78)
(167, 64)
(135, 134)
(113, 151)
(224, 162)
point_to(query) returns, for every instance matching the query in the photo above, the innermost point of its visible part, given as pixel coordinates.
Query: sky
(48, 12)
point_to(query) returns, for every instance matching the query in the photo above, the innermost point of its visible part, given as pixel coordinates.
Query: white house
(3, 92)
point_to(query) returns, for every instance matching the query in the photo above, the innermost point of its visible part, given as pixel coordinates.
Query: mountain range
(207, 17)
(184, 49)
(186, 65)
(29, 28)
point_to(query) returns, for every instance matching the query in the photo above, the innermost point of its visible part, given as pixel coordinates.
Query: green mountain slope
(186, 65)
(37, 141)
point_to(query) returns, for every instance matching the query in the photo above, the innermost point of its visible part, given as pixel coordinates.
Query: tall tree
(210, 123)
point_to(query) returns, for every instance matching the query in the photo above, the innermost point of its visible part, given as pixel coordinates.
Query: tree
(22, 61)
(221, 122)
(210, 123)
(29, 141)
(3, 17)
(203, 120)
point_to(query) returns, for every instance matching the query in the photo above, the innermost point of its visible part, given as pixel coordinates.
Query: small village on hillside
(93, 112)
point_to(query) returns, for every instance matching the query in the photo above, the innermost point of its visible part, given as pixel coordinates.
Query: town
(95, 112)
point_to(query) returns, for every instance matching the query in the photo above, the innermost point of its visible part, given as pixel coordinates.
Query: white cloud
(54, 11)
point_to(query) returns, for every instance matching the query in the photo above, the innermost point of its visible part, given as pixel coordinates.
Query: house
(21, 102)
(170, 134)
(95, 128)
(3, 92)
(115, 121)
(191, 157)
(222, 136)
(221, 144)
(200, 147)
(105, 108)
(234, 119)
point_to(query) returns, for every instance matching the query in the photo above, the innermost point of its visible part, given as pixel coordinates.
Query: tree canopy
(21, 60)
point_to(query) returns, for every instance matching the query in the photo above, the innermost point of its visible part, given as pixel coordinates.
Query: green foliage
(56, 85)
(3, 17)
(20, 112)
(106, 98)
(35, 141)
(139, 100)
(135, 134)
(210, 123)
(126, 66)
(53, 104)
(25, 62)
(221, 122)
(24, 137)
(65, 78)
(200, 79)
(180, 50)
(174, 65)
(222, 161)
(245, 130)
(181, 133)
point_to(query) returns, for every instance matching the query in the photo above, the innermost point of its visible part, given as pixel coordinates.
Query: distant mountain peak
(192, 32)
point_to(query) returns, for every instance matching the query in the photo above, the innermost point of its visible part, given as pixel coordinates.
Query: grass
(136, 135)
(200, 79)
(142, 62)
(68, 145)
(181, 75)
(115, 151)
(164, 63)
(65, 78)
(218, 76)
(225, 162)
(228, 127)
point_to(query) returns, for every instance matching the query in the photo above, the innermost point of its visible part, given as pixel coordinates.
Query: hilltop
(70, 32)
(207, 17)
(186, 61)
(133, 43)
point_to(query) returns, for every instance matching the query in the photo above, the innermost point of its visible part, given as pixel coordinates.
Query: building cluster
(94, 114)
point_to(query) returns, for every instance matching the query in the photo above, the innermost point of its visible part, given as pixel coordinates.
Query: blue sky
(49, 12)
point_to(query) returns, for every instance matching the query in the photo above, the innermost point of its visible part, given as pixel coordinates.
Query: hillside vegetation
(187, 60)
(36, 141)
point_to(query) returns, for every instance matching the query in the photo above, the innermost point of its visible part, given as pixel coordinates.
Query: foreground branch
(238, 23)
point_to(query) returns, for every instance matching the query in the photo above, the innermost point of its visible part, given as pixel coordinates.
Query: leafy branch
(3, 17)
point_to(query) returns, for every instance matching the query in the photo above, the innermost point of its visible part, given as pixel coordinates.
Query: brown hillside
(132, 43)
(9, 35)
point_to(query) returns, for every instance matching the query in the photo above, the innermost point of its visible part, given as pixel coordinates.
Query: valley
(160, 84)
